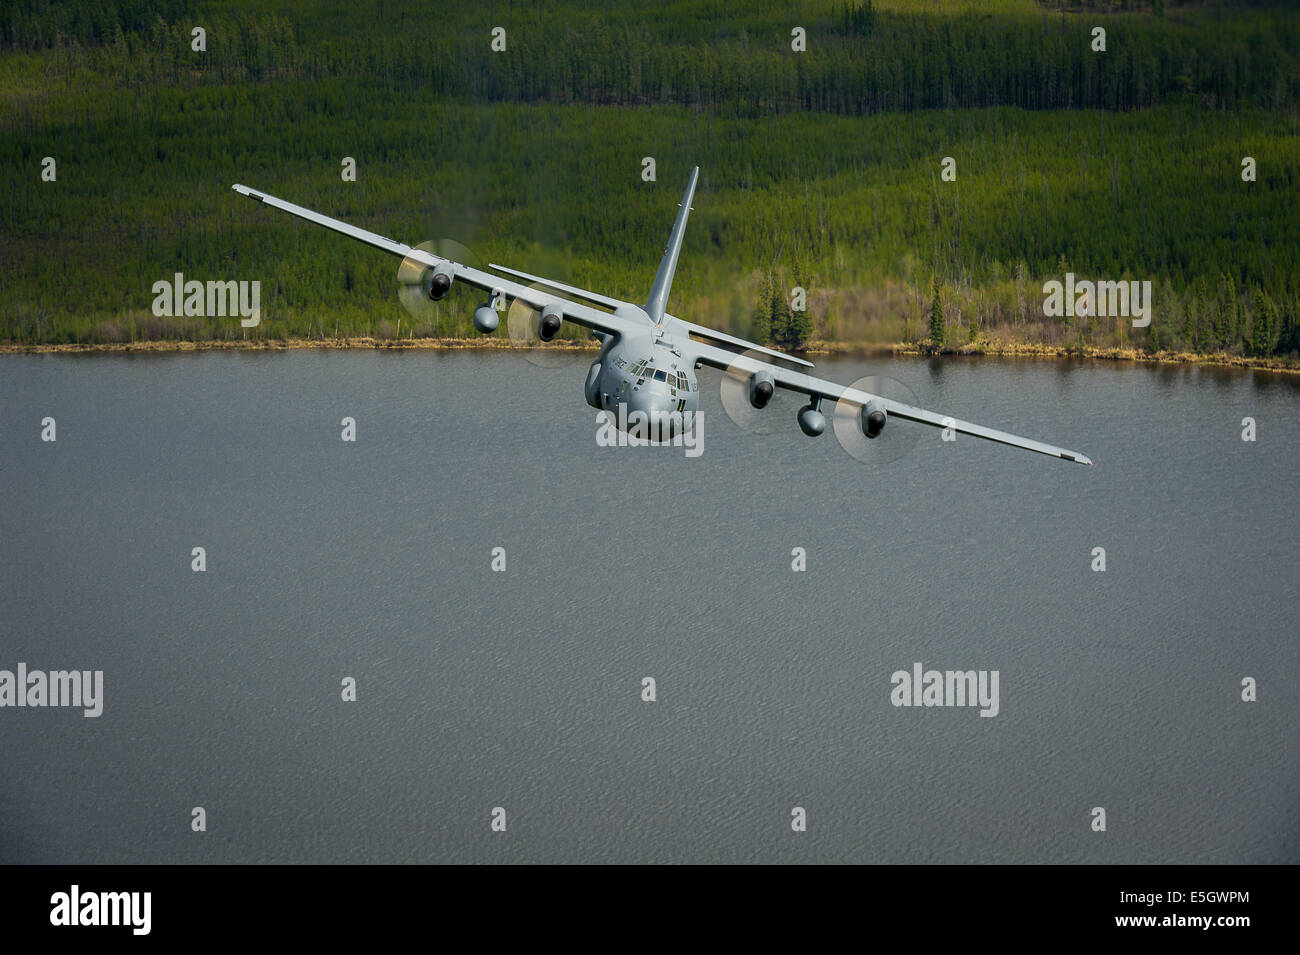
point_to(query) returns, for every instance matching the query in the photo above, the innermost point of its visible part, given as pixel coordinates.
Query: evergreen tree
(1265, 329)
(801, 324)
(1195, 332)
(1289, 340)
(936, 317)
(760, 323)
(1225, 325)
(779, 308)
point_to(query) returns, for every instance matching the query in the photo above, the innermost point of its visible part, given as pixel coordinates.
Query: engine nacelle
(873, 418)
(549, 322)
(761, 389)
(438, 281)
(486, 319)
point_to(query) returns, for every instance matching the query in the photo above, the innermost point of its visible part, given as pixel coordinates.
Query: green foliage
(518, 155)
(725, 54)
(854, 19)
(779, 310)
(775, 321)
(801, 323)
(760, 326)
(1266, 328)
(938, 326)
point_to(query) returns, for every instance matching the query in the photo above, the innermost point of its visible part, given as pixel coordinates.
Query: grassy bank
(815, 349)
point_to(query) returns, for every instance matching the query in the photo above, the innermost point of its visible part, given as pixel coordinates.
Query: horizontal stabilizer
(711, 335)
(561, 287)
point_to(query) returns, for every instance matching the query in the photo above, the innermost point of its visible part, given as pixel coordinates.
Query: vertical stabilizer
(658, 300)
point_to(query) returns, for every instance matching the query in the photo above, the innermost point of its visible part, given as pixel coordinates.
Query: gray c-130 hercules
(648, 357)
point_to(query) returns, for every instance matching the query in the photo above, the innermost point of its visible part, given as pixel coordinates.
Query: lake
(523, 689)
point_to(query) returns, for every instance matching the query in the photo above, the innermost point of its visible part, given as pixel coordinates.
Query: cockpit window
(660, 375)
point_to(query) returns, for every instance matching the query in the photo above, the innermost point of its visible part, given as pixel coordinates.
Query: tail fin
(658, 300)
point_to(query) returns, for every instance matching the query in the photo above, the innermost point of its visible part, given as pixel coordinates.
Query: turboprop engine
(548, 323)
(438, 281)
(761, 389)
(873, 418)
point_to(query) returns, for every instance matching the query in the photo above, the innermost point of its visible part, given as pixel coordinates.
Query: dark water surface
(522, 689)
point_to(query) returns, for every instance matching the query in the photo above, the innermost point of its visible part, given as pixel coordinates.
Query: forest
(912, 155)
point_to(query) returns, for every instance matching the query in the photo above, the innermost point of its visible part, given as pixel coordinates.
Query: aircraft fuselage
(650, 374)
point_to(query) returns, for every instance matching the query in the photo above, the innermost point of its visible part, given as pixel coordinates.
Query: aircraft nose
(654, 410)
(644, 401)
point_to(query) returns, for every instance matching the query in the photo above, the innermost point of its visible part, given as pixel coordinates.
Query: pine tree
(1225, 325)
(801, 324)
(1195, 332)
(1265, 328)
(780, 311)
(760, 324)
(936, 317)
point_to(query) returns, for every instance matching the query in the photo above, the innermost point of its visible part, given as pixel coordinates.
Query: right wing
(577, 312)
(819, 388)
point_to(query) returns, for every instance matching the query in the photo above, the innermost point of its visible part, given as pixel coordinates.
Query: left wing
(791, 380)
(579, 313)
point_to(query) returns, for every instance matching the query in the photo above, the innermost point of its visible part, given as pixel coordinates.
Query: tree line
(709, 54)
(853, 209)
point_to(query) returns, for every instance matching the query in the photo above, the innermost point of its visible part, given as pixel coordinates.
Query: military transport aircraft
(649, 357)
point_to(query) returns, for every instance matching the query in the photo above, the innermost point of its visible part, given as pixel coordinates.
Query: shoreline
(826, 349)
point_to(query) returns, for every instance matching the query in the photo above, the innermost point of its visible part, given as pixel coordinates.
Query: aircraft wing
(818, 388)
(577, 312)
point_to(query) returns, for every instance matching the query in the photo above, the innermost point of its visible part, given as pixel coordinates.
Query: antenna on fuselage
(658, 301)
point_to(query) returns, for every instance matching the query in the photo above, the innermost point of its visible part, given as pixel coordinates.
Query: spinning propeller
(534, 330)
(853, 422)
(755, 406)
(420, 286)
(754, 403)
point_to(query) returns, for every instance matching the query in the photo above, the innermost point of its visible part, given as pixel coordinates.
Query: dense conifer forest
(821, 168)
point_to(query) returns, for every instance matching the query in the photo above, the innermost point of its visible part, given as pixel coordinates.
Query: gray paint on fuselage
(622, 380)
